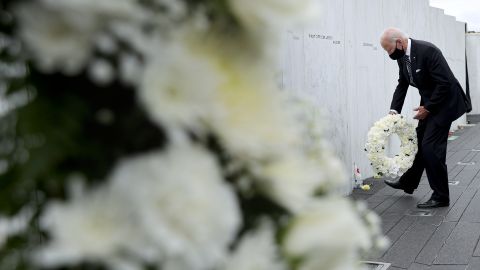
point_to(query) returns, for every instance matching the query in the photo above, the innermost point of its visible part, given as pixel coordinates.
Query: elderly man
(423, 66)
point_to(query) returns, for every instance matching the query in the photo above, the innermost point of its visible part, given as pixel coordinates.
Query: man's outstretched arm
(400, 92)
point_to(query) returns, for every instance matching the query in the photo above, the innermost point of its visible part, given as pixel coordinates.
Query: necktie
(409, 68)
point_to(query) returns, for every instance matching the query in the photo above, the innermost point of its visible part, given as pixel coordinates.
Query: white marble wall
(339, 64)
(473, 57)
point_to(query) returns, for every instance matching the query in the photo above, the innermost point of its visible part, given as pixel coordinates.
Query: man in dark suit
(423, 66)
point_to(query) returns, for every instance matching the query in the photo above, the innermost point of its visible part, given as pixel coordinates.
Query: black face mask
(397, 54)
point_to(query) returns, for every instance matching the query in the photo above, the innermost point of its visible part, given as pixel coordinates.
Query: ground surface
(449, 238)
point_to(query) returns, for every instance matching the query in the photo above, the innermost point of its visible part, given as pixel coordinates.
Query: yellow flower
(365, 187)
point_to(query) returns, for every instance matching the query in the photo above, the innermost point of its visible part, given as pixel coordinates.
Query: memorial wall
(339, 65)
(473, 59)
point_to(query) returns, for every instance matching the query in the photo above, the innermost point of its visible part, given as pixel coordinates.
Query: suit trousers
(431, 156)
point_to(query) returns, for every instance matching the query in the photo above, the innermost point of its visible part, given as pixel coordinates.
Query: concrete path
(446, 238)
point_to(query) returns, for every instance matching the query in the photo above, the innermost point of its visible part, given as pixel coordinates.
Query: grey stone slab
(460, 205)
(395, 268)
(470, 155)
(474, 264)
(460, 153)
(360, 197)
(424, 181)
(472, 141)
(455, 193)
(454, 170)
(475, 166)
(417, 266)
(466, 135)
(407, 202)
(378, 198)
(457, 157)
(389, 220)
(475, 184)
(459, 143)
(402, 204)
(460, 244)
(373, 204)
(476, 252)
(435, 220)
(472, 213)
(429, 252)
(466, 176)
(400, 228)
(405, 250)
(477, 157)
(386, 204)
(386, 191)
(448, 267)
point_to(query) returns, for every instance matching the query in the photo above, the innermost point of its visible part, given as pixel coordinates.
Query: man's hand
(393, 112)
(422, 113)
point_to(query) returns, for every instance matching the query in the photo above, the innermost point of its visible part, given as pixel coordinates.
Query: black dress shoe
(397, 185)
(433, 204)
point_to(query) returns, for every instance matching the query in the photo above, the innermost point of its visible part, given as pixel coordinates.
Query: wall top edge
(438, 9)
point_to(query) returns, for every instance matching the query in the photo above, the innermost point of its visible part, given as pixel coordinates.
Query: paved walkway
(446, 238)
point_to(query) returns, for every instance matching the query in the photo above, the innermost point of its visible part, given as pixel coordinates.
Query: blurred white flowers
(101, 9)
(256, 250)
(331, 227)
(92, 227)
(273, 16)
(239, 153)
(10, 226)
(292, 181)
(58, 41)
(255, 125)
(101, 72)
(179, 88)
(181, 203)
(170, 208)
(265, 21)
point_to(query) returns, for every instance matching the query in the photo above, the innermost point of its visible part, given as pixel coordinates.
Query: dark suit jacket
(440, 91)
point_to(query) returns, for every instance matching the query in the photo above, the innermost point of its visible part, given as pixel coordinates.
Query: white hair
(393, 34)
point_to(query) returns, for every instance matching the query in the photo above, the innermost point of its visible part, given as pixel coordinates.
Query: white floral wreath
(377, 139)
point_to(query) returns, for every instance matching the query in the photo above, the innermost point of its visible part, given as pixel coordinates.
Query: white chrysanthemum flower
(266, 21)
(58, 41)
(17, 224)
(101, 72)
(187, 85)
(106, 44)
(130, 69)
(92, 227)
(274, 14)
(255, 122)
(257, 250)
(182, 204)
(291, 180)
(122, 9)
(327, 235)
(311, 122)
(178, 88)
(174, 8)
